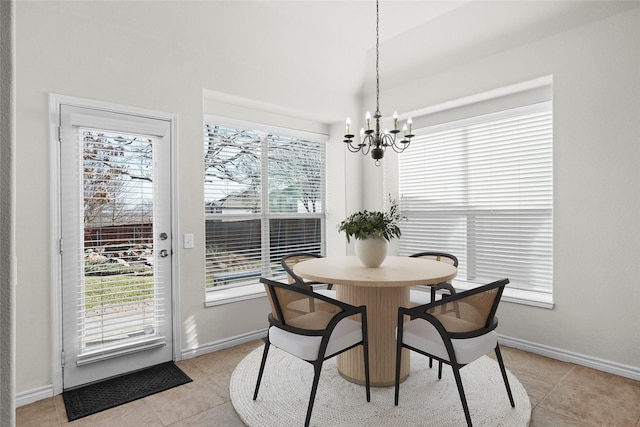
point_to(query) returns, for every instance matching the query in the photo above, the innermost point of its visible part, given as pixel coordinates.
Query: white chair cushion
(422, 335)
(346, 333)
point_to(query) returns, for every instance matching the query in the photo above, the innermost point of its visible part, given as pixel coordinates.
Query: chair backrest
(437, 256)
(296, 306)
(469, 312)
(288, 261)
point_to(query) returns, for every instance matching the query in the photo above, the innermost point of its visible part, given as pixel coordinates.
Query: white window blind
(264, 198)
(117, 296)
(481, 189)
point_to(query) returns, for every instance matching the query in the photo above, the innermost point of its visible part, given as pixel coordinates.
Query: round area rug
(424, 400)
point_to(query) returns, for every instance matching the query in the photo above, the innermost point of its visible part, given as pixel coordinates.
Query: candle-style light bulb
(361, 134)
(409, 123)
(405, 130)
(395, 120)
(367, 118)
(348, 126)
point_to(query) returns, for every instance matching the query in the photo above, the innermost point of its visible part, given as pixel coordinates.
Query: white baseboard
(632, 372)
(45, 392)
(222, 344)
(33, 395)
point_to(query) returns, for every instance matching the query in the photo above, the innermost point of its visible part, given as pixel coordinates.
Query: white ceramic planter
(371, 252)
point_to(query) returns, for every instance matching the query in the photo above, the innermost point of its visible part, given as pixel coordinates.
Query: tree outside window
(264, 197)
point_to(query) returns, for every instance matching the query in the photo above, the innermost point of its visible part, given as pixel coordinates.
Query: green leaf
(373, 224)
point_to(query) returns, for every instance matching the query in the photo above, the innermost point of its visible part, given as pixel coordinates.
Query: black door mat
(126, 388)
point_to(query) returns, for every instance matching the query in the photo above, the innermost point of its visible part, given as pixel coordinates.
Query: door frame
(55, 100)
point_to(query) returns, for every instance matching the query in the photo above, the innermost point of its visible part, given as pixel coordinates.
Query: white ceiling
(332, 43)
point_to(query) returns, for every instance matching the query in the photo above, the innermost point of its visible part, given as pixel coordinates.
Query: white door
(115, 245)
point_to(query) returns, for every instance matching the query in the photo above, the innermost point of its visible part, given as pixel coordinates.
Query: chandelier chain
(377, 58)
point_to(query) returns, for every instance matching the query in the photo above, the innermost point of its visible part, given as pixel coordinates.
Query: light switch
(188, 241)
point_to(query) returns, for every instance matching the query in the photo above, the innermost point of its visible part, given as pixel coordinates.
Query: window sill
(516, 296)
(243, 293)
(234, 294)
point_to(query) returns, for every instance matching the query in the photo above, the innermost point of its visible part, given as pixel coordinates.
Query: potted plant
(372, 230)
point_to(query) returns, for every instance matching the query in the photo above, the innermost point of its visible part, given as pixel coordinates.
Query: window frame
(534, 297)
(233, 293)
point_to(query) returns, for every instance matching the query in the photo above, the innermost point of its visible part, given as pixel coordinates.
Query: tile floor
(562, 394)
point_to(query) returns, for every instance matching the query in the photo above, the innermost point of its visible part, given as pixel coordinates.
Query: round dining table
(382, 290)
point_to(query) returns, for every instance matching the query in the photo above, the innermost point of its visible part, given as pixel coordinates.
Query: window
(481, 189)
(264, 197)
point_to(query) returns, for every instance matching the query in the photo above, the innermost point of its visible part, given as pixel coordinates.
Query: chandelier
(372, 140)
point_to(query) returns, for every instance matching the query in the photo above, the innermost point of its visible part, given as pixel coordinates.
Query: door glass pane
(118, 291)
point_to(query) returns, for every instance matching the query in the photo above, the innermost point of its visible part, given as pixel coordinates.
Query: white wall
(596, 82)
(84, 49)
(146, 55)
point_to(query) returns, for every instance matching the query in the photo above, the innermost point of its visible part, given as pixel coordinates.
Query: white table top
(395, 271)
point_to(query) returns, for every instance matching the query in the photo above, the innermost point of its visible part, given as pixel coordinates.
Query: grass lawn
(117, 289)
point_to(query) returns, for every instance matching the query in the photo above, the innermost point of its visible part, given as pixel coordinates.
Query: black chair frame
(443, 285)
(294, 276)
(420, 312)
(347, 311)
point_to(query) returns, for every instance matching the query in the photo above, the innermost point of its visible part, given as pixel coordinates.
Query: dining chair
(288, 261)
(455, 330)
(315, 335)
(419, 297)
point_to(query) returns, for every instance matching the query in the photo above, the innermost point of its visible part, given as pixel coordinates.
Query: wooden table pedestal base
(382, 314)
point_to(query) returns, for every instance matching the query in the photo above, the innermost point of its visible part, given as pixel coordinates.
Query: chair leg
(317, 367)
(367, 382)
(504, 375)
(463, 399)
(398, 359)
(433, 298)
(264, 361)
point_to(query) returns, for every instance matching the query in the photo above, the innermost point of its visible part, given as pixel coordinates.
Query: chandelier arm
(390, 140)
(367, 141)
(353, 148)
(400, 146)
(386, 140)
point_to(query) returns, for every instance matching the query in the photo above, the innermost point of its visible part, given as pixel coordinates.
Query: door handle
(164, 253)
